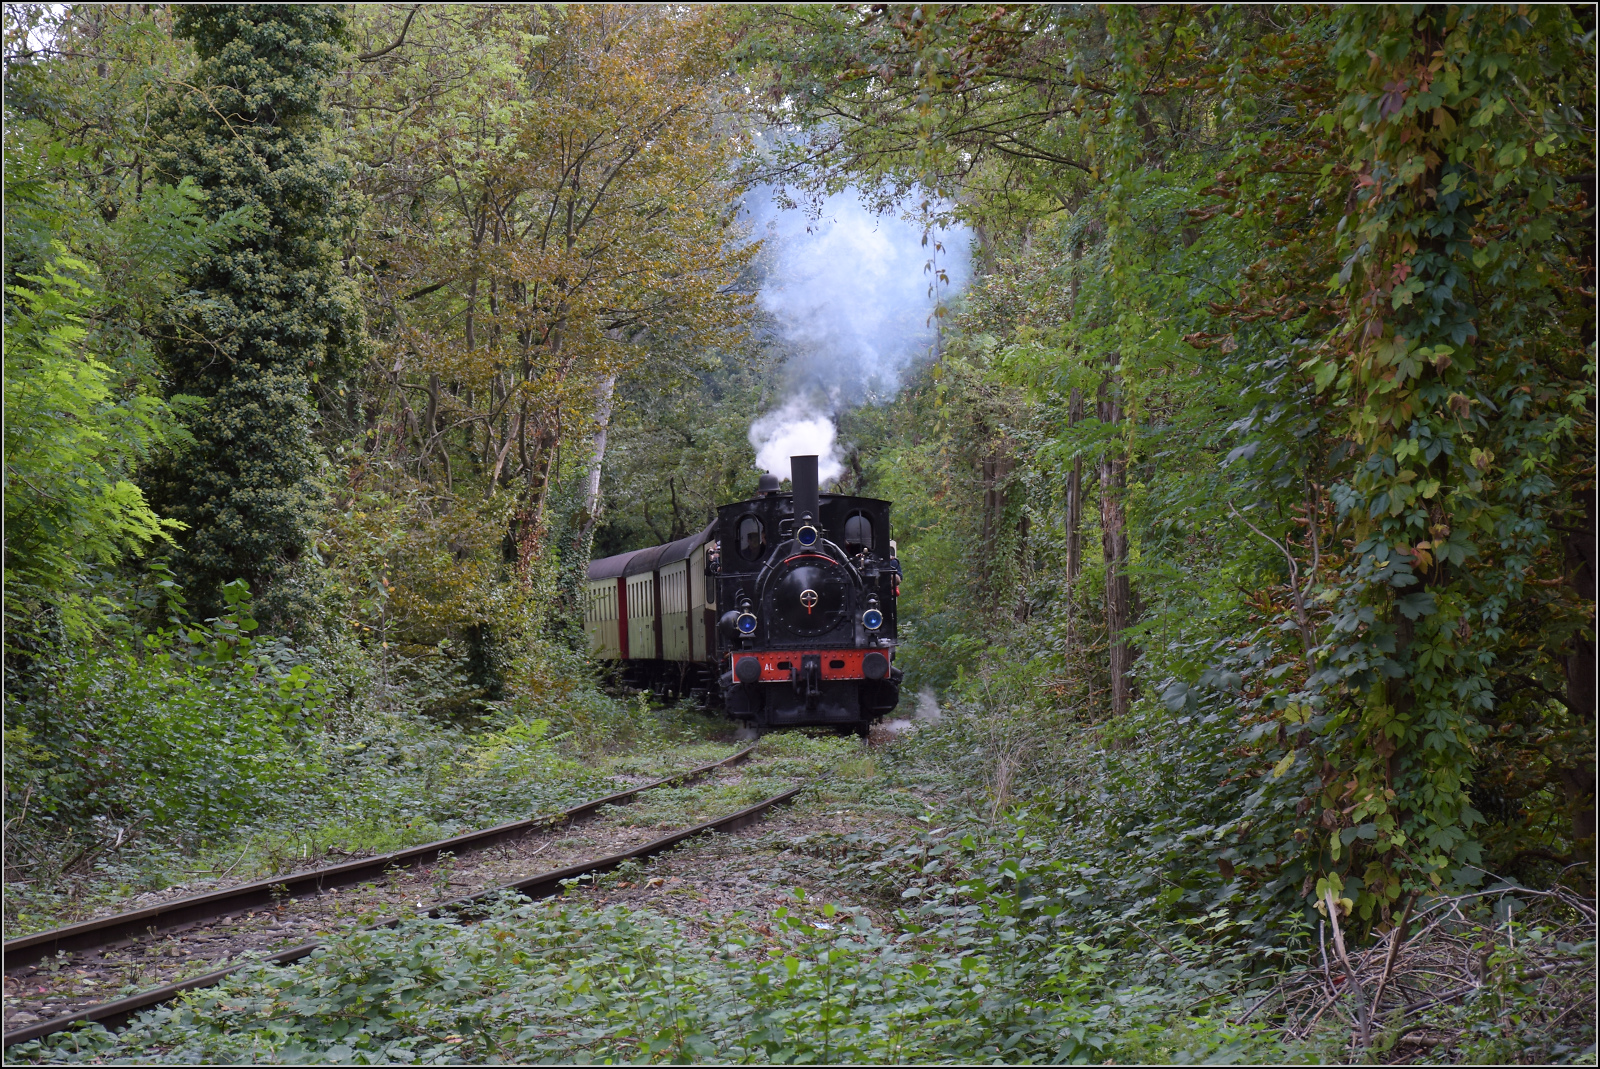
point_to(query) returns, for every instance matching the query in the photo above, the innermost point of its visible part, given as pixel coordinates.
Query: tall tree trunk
(1074, 520)
(430, 420)
(431, 416)
(602, 417)
(1024, 608)
(1074, 499)
(508, 439)
(986, 528)
(1579, 779)
(1114, 544)
(996, 469)
(678, 528)
(859, 486)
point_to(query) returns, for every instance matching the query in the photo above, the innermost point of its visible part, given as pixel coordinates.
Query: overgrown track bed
(231, 927)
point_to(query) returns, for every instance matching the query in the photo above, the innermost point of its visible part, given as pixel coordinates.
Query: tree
(1344, 262)
(93, 252)
(265, 317)
(548, 236)
(1462, 373)
(552, 209)
(71, 446)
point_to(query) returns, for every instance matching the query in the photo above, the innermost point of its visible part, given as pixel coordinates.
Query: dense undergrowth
(192, 753)
(564, 982)
(1118, 831)
(1074, 893)
(1000, 933)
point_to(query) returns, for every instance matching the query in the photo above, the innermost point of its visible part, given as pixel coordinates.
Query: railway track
(264, 911)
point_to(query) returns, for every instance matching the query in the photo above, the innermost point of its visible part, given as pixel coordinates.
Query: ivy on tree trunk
(267, 316)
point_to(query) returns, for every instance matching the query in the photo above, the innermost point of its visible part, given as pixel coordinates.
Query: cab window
(858, 533)
(752, 538)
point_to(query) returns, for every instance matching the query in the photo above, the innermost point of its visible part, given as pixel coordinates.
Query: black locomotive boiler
(782, 609)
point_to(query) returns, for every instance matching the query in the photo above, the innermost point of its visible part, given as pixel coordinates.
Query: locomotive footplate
(783, 666)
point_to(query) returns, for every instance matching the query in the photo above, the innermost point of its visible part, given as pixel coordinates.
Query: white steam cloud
(852, 295)
(796, 430)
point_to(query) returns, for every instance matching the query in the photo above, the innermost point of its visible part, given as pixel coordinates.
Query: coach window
(752, 538)
(858, 533)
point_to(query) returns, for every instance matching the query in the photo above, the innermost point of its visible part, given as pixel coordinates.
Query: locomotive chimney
(803, 476)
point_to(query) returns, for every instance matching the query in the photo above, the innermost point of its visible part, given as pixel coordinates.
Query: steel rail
(545, 885)
(163, 917)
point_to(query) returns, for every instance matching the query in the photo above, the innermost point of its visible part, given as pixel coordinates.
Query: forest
(1231, 371)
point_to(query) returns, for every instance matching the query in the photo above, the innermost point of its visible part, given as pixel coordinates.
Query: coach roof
(639, 561)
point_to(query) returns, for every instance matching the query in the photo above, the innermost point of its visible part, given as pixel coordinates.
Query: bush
(185, 731)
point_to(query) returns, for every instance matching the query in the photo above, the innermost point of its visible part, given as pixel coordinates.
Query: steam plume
(796, 430)
(851, 295)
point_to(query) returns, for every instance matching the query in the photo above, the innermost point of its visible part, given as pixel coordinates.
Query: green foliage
(83, 406)
(1128, 821)
(1303, 295)
(262, 319)
(560, 982)
(1462, 373)
(968, 541)
(395, 779)
(352, 766)
(185, 731)
(71, 443)
(88, 77)
(132, 721)
(1358, 440)
(679, 444)
(1039, 940)
(535, 258)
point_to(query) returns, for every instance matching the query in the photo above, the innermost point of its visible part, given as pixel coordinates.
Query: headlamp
(872, 619)
(747, 623)
(806, 535)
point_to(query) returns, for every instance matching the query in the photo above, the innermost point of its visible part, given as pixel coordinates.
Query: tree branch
(368, 57)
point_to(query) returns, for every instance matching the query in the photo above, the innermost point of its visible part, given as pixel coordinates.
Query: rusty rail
(544, 885)
(31, 949)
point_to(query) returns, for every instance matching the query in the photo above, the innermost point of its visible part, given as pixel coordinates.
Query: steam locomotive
(782, 610)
